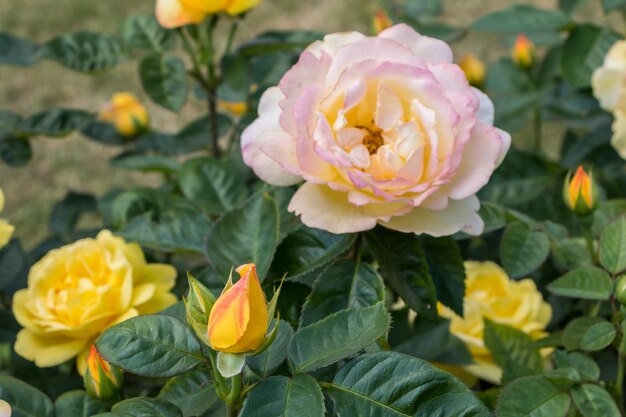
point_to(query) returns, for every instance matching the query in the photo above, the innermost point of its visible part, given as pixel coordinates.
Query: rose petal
(424, 47)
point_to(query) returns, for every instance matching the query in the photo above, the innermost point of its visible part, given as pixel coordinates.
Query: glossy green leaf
(78, 404)
(15, 151)
(446, 267)
(13, 263)
(147, 407)
(146, 163)
(145, 32)
(389, 384)
(18, 51)
(588, 333)
(55, 122)
(343, 285)
(247, 234)
(523, 250)
(571, 253)
(280, 396)
(154, 345)
(212, 185)
(583, 52)
(613, 246)
(532, 396)
(336, 337)
(586, 366)
(165, 80)
(236, 83)
(25, 401)
(404, 265)
(265, 363)
(66, 213)
(192, 392)
(590, 283)
(85, 51)
(609, 5)
(522, 18)
(594, 401)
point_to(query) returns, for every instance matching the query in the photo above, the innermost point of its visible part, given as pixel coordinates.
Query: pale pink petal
(332, 42)
(427, 49)
(172, 14)
(459, 215)
(389, 109)
(485, 111)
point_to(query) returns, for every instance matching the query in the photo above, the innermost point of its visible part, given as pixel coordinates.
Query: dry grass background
(77, 164)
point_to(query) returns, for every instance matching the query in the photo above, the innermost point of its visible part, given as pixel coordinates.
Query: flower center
(373, 139)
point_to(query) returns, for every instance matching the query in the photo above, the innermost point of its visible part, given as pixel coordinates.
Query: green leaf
(390, 384)
(404, 265)
(13, 263)
(446, 267)
(265, 363)
(147, 407)
(230, 364)
(85, 51)
(18, 51)
(583, 52)
(26, 401)
(532, 396)
(15, 151)
(609, 5)
(236, 83)
(594, 401)
(279, 396)
(590, 283)
(78, 404)
(276, 41)
(586, 366)
(568, 6)
(192, 392)
(307, 250)
(146, 163)
(522, 18)
(343, 285)
(588, 333)
(154, 346)
(613, 246)
(66, 213)
(55, 122)
(523, 250)
(606, 213)
(247, 234)
(512, 350)
(144, 32)
(212, 185)
(336, 337)
(571, 253)
(165, 80)
(103, 132)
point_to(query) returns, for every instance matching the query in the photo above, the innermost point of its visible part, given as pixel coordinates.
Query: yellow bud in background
(474, 69)
(5, 409)
(381, 21)
(102, 380)
(235, 108)
(239, 318)
(6, 230)
(126, 113)
(580, 192)
(523, 52)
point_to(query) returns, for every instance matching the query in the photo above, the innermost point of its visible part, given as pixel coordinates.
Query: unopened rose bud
(102, 380)
(235, 108)
(474, 69)
(126, 113)
(580, 192)
(523, 52)
(620, 290)
(381, 21)
(198, 307)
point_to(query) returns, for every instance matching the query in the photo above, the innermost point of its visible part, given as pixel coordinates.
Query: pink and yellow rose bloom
(382, 130)
(176, 13)
(77, 291)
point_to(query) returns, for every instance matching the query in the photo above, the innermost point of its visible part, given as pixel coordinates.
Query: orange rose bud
(474, 69)
(580, 192)
(102, 380)
(523, 52)
(126, 113)
(381, 21)
(235, 108)
(239, 319)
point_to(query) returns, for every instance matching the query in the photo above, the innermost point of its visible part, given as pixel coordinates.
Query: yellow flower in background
(6, 230)
(490, 294)
(580, 192)
(77, 291)
(474, 69)
(381, 21)
(609, 87)
(523, 52)
(235, 108)
(175, 13)
(126, 113)
(102, 380)
(5, 409)
(239, 318)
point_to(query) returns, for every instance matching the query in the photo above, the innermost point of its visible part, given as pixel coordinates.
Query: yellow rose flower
(474, 69)
(6, 230)
(239, 318)
(609, 87)
(126, 113)
(175, 13)
(491, 294)
(77, 291)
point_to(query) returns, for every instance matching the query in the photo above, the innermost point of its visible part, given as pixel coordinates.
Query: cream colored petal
(485, 371)
(619, 134)
(45, 351)
(1, 200)
(142, 293)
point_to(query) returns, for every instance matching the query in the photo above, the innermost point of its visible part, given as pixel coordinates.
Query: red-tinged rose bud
(102, 380)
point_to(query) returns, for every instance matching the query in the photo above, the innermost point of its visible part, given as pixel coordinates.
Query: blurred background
(74, 163)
